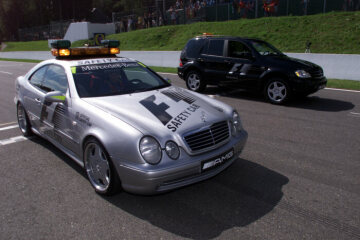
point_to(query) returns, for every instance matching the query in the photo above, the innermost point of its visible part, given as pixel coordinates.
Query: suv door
(243, 67)
(215, 67)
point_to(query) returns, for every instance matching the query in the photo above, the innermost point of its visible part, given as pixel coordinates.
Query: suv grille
(212, 136)
(316, 73)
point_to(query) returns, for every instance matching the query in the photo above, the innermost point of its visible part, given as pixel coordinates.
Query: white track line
(342, 90)
(8, 127)
(12, 140)
(3, 124)
(6, 72)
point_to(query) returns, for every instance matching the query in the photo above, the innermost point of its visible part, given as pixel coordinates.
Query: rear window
(192, 48)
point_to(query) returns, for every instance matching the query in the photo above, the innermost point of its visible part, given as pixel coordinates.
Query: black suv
(249, 64)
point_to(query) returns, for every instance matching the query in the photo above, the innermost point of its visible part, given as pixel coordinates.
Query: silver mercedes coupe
(127, 126)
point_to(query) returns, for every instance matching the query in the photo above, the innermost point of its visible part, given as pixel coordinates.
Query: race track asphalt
(298, 178)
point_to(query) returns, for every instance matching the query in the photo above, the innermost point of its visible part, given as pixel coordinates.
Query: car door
(244, 70)
(57, 118)
(214, 62)
(33, 96)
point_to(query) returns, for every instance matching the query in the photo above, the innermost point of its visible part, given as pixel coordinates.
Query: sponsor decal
(95, 67)
(98, 37)
(159, 110)
(103, 60)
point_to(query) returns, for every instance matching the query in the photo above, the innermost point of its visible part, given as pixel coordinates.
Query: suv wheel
(277, 91)
(195, 82)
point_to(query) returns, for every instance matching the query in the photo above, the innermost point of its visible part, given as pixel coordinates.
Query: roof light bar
(61, 48)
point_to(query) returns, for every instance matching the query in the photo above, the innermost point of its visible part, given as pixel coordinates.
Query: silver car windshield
(265, 49)
(110, 79)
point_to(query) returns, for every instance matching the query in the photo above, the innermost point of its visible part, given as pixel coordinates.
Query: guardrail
(338, 66)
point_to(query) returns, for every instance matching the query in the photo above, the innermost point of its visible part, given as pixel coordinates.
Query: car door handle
(200, 59)
(37, 100)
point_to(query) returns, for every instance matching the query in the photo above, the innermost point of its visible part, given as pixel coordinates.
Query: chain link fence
(55, 30)
(172, 12)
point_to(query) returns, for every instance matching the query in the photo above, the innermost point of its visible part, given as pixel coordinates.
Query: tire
(23, 121)
(100, 169)
(195, 82)
(277, 91)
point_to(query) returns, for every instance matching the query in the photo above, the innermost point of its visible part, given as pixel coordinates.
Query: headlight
(302, 74)
(150, 150)
(172, 150)
(236, 123)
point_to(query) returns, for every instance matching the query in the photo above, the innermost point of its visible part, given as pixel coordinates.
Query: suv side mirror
(55, 96)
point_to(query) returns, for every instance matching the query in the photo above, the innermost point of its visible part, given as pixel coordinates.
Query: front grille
(212, 136)
(316, 73)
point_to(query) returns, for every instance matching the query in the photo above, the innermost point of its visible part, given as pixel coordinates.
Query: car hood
(162, 112)
(295, 63)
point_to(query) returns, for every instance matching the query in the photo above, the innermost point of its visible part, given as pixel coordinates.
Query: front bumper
(138, 180)
(310, 85)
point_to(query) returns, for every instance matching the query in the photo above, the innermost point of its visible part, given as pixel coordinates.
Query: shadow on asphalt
(240, 195)
(311, 102)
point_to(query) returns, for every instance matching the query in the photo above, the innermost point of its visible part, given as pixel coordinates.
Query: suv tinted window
(238, 50)
(192, 48)
(55, 79)
(216, 47)
(38, 76)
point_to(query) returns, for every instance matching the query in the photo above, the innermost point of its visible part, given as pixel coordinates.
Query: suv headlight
(172, 150)
(236, 123)
(302, 74)
(150, 150)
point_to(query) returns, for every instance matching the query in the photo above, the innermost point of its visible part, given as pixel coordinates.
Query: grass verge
(335, 32)
(20, 60)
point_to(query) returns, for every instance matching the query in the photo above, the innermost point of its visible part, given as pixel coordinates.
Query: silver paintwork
(119, 123)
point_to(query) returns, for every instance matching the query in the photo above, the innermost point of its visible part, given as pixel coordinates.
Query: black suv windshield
(109, 79)
(265, 49)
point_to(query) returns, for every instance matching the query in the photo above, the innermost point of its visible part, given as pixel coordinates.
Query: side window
(238, 50)
(38, 77)
(55, 79)
(216, 47)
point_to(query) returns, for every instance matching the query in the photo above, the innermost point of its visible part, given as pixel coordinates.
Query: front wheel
(99, 169)
(23, 121)
(195, 82)
(277, 91)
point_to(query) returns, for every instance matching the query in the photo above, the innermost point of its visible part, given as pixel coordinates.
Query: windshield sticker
(103, 60)
(73, 70)
(159, 110)
(95, 67)
(141, 64)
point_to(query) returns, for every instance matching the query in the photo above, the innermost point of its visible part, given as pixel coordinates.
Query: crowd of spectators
(134, 22)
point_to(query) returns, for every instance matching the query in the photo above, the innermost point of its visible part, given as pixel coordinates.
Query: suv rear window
(192, 48)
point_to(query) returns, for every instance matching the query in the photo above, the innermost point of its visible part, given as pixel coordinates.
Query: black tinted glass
(238, 50)
(193, 48)
(216, 47)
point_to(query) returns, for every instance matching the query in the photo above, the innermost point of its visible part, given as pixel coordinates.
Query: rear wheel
(23, 121)
(100, 169)
(277, 91)
(195, 82)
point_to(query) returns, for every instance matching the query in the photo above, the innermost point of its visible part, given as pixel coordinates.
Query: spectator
(130, 23)
(173, 17)
(305, 6)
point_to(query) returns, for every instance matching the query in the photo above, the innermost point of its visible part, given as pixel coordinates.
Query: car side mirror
(168, 80)
(55, 96)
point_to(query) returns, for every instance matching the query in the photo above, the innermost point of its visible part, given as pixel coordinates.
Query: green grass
(336, 32)
(20, 60)
(164, 69)
(27, 46)
(343, 84)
